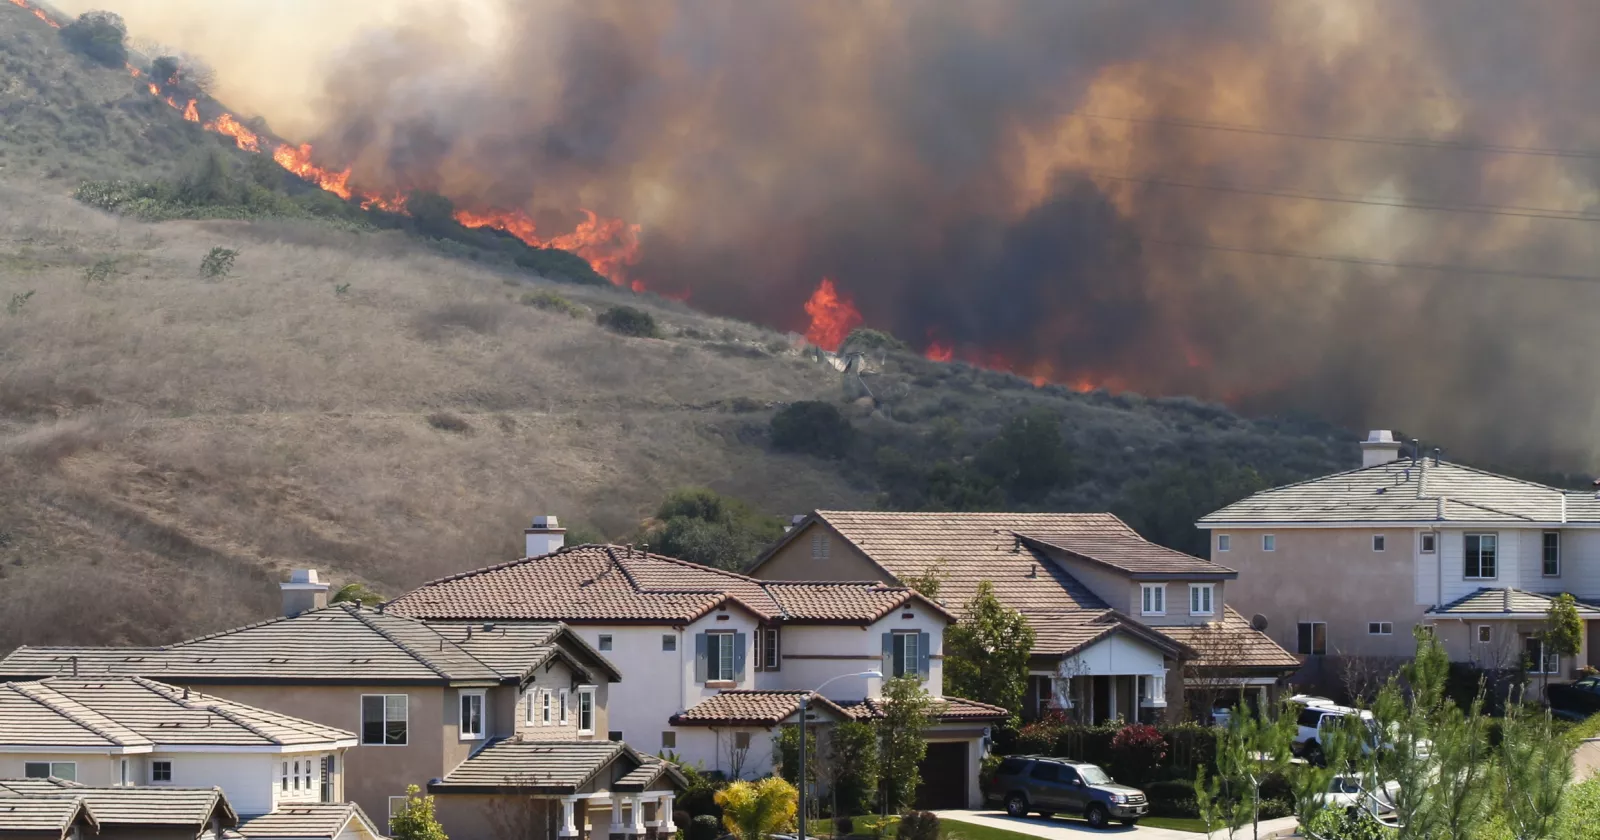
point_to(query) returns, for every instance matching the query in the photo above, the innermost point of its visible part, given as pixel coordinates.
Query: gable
(794, 558)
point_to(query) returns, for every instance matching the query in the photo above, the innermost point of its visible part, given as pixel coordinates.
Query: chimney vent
(1380, 447)
(544, 536)
(303, 592)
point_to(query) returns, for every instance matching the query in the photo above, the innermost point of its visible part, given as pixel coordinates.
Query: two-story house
(423, 705)
(702, 647)
(1347, 564)
(1120, 624)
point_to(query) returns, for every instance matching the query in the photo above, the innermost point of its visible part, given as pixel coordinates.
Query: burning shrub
(815, 428)
(101, 36)
(625, 320)
(1136, 752)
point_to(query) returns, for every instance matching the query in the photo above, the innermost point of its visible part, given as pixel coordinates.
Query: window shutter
(700, 657)
(739, 641)
(922, 655)
(888, 655)
(777, 650)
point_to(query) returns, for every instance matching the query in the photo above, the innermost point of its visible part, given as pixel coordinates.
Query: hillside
(357, 402)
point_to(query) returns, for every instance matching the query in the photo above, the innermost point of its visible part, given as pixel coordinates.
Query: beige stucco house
(1347, 564)
(699, 646)
(1121, 624)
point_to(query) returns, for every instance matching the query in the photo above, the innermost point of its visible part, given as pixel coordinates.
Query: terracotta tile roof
(343, 643)
(314, 821)
(39, 816)
(753, 707)
(1407, 491)
(945, 710)
(136, 712)
(1508, 601)
(1231, 643)
(131, 806)
(544, 767)
(603, 583)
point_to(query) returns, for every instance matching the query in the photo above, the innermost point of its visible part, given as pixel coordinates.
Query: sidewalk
(1061, 829)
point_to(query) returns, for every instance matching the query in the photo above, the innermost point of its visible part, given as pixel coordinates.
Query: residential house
(1121, 624)
(695, 642)
(61, 809)
(1347, 564)
(127, 731)
(419, 702)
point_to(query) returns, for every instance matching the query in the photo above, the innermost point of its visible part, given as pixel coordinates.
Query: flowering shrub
(1039, 737)
(1136, 751)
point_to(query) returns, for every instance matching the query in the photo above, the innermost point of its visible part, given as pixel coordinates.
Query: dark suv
(1056, 785)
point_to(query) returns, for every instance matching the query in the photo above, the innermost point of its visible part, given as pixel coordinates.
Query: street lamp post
(805, 704)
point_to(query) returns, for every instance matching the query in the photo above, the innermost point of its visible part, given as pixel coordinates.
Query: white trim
(1274, 540)
(461, 725)
(1210, 590)
(1478, 634)
(563, 700)
(9, 748)
(1504, 616)
(1224, 542)
(594, 710)
(1427, 524)
(1380, 542)
(1147, 604)
(361, 720)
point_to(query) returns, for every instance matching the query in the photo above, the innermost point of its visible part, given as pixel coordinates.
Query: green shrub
(100, 272)
(625, 320)
(811, 427)
(844, 826)
(866, 338)
(919, 825)
(101, 36)
(218, 262)
(552, 302)
(1174, 798)
(705, 827)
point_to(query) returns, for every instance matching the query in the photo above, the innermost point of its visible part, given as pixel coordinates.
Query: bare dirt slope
(170, 444)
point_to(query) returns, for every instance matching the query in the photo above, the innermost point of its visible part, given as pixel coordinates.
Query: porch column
(1112, 712)
(618, 828)
(635, 815)
(568, 829)
(664, 813)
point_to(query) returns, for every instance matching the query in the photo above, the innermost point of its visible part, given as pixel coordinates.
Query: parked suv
(1053, 785)
(1318, 715)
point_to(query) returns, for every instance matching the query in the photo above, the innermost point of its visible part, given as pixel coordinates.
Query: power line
(1345, 198)
(1373, 263)
(1415, 142)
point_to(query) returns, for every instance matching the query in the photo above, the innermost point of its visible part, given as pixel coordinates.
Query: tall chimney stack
(544, 536)
(1380, 447)
(303, 592)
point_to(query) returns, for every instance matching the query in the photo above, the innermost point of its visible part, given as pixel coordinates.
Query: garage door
(944, 777)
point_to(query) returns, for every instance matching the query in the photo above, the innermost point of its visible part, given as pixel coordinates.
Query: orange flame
(226, 124)
(298, 161)
(37, 12)
(832, 316)
(939, 352)
(608, 245)
(189, 112)
(154, 91)
(133, 71)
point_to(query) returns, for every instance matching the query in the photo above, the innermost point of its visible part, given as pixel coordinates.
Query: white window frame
(1269, 542)
(395, 812)
(362, 735)
(742, 736)
(50, 769)
(464, 701)
(123, 779)
(1380, 628)
(1149, 595)
(719, 652)
(1202, 599)
(545, 702)
(1380, 542)
(586, 695)
(565, 698)
(605, 642)
(1547, 662)
(1481, 634)
(819, 544)
(1495, 536)
(156, 765)
(1423, 542)
(905, 653)
(1544, 565)
(669, 735)
(1224, 542)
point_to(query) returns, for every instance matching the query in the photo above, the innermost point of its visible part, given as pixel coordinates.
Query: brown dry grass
(170, 445)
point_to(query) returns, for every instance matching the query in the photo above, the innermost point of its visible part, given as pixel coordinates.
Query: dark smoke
(936, 159)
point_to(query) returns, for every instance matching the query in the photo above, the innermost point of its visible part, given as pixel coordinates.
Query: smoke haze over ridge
(956, 168)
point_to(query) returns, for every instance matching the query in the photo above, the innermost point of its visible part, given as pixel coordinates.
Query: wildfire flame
(189, 112)
(609, 245)
(226, 124)
(298, 161)
(37, 12)
(939, 352)
(832, 316)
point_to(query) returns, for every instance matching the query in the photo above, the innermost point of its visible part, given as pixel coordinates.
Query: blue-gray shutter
(922, 655)
(699, 657)
(888, 655)
(738, 656)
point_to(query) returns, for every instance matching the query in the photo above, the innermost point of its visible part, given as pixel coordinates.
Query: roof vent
(488, 627)
(1033, 570)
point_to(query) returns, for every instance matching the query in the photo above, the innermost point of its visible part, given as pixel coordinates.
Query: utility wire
(1415, 142)
(1373, 263)
(1345, 198)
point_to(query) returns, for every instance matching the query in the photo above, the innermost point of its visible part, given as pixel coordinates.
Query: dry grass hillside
(169, 440)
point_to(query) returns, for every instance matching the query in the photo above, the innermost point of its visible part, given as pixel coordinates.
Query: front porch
(1120, 674)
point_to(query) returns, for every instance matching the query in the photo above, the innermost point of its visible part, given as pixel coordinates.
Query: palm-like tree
(757, 810)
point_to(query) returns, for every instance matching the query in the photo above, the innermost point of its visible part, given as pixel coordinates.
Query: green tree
(416, 820)
(433, 215)
(1164, 507)
(101, 36)
(1563, 633)
(1535, 766)
(929, 581)
(1250, 750)
(848, 764)
(705, 527)
(986, 652)
(812, 428)
(625, 320)
(758, 810)
(1027, 458)
(907, 712)
(356, 593)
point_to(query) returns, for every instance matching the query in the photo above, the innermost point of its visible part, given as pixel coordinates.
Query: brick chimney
(544, 536)
(303, 592)
(1380, 447)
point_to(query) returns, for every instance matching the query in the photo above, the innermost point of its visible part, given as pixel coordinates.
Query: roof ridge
(442, 638)
(691, 564)
(170, 693)
(1506, 513)
(389, 637)
(22, 689)
(498, 566)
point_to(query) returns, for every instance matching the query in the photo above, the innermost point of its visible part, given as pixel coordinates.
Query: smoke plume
(1037, 185)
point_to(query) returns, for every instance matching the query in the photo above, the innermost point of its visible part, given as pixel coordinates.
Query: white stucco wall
(711, 749)
(814, 654)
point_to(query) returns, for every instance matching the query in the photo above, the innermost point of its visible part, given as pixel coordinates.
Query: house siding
(793, 561)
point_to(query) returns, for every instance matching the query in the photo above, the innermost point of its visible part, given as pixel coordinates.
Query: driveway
(1060, 828)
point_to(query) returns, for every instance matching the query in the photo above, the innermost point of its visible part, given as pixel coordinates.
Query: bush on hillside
(552, 302)
(101, 36)
(702, 526)
(625, 320)
(811, 427)
(866, 338)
